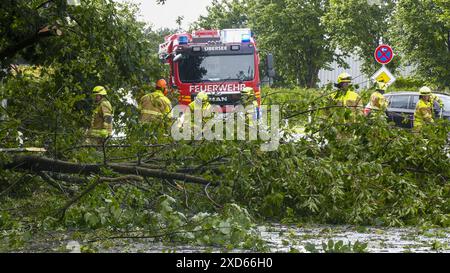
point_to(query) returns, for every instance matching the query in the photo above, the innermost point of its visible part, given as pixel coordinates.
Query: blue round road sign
(384, 54)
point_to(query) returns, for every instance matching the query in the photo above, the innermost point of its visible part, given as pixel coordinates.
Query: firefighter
(345, 96)
(201, 100)
(155, 106)
(438, 106)
(101, 123)
(377, 101)
(347, 102)
(250, 103)
(424, 109)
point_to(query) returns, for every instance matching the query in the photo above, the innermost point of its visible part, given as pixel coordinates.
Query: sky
(161, 16)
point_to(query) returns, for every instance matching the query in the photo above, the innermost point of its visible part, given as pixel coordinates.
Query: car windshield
(216, 68)
(399, 101)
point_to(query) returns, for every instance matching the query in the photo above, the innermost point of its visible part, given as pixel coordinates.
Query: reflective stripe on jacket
(378, 101)
(423, 114)
(102, 118)
(154, 106)
(255, 112)
(349, 98)
(206, 106)
(193, 105)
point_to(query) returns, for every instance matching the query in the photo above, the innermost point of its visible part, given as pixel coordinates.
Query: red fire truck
(219, 62)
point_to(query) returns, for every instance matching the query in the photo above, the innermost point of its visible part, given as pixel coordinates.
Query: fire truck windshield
(198, 68)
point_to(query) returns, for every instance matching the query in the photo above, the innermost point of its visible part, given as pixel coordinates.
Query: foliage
(421, 32)
(306, 36)
(330, 167)
(408, 83)
(357, 27)
(102, 44)
(338, 247)
(417, 31)
(224, 14)
(438, 246)
(127, 211)
(366, 172)
(292, 31)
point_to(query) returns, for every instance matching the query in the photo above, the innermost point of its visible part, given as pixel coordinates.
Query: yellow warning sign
(384, 75)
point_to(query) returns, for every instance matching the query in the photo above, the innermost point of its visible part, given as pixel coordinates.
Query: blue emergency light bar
(183, 40)
(246, 38)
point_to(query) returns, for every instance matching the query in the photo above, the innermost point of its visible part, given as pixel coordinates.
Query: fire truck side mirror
(270, 65)
(177, 58)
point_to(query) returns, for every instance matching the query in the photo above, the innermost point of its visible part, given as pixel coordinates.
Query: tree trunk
(10, 51)
(39, 164)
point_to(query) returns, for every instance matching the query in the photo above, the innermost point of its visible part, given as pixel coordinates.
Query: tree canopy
(224, 14)
(422, 35)
(306, 36)
(99, 43)
(357, 27)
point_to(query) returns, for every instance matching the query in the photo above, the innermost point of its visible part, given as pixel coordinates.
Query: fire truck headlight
(196, 48)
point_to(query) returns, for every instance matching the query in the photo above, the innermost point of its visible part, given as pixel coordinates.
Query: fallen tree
(43, 164)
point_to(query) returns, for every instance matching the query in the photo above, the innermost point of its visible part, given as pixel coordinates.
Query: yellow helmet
(425, 91)
(381, 86)
(344, 77)
(247, 91)
(202, 96)
(99, 90)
